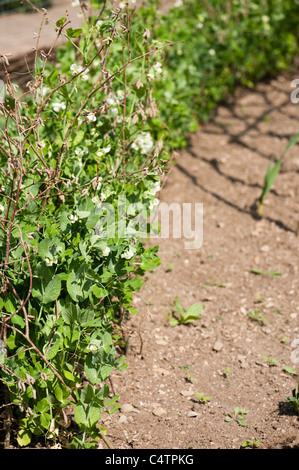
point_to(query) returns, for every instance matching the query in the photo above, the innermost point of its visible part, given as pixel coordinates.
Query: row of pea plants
(72, 147)
(81, 155)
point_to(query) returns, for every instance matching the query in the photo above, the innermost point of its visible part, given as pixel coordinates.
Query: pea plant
(81, 138)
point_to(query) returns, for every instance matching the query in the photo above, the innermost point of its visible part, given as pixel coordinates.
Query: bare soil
(236, 360)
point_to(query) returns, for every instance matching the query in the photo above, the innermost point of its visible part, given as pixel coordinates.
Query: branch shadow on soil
(232, 106)
(252, 211)
(248, 123)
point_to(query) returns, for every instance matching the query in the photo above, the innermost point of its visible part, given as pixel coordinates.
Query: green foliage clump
(222, 44)
(80, 161)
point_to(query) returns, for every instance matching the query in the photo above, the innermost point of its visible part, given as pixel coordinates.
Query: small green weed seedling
(219, 284)
(272, 172)
(258, 317)
(271, 362)
(185, 367)
(290, 370)
(250, 443)
(272, 272)
(202, 398)
(278, 312)
(237, 415)
(185, 316)
(225, 375)
(294, 400)
(170, 267)
(190, 379)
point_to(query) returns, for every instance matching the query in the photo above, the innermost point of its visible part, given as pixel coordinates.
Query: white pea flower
(50, 262)
(58, 106)
(101, 152)
(99, 184)
(80, 152)
(157, 67)
(114, 100)
(73, 218)
(110, 100)
(91, 117)
(155, 187)
(151, 75)
(92, 347)
(128, 254)
(212, 52)
(153, 205)
(265, 18)
(98, 24)
(106, 251)
(104, 195)
(199, 25)
(1, 208)
(84, 77)
(45, 90)
(76, 69)
(143, 143)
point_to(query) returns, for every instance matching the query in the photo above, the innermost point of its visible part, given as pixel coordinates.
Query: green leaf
(18, 320)
(45, 420)
(86, 317)
(135, 284)
(43, 247)
(194, 311)
(69, 312)
(112, 400)
(85, 207)
(91, 370)
(74, 287)
(78, 138)
(179, 306)
(52, 290)
(55, 346)
(87, 394)
(292, 142)
(290, 370)
(73, 33)
(80, 416)
(99, 292)
(93, 414)
(60, 22)
(42, 406)
(24, 437)
(105, 371)
(58, 392)
(69, 376)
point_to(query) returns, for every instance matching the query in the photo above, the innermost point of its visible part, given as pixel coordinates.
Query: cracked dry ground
(223, 168)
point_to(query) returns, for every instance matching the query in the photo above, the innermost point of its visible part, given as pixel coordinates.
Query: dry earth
(224, 354)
